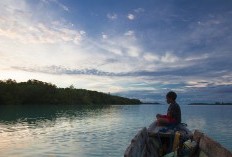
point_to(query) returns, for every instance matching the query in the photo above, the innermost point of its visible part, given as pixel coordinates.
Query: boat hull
(165, 142)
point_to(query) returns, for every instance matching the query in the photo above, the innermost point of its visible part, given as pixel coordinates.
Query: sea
(97, 130)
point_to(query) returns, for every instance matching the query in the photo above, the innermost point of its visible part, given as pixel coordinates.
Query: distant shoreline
(213, 104)
(151, 103)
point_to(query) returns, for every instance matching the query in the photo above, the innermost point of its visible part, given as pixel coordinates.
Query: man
(173, 116)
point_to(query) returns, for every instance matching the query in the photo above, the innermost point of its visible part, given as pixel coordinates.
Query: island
(38, 92)
(216, 103)
(151, 103)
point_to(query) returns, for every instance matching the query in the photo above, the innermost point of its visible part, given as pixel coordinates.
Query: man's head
(171, 97)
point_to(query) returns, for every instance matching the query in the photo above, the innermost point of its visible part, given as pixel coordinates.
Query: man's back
(175, 112)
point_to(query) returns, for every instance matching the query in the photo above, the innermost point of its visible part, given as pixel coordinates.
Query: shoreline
(151, 103)
(211, 104)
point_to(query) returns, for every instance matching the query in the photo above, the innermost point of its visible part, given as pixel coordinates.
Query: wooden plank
(197, 136)
(152, 127)
(142, 146)
(138, 143)
(212, 148)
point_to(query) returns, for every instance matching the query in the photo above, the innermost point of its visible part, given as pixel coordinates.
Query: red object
(170, 119)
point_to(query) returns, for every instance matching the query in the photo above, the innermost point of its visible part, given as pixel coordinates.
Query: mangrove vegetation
(38, 92)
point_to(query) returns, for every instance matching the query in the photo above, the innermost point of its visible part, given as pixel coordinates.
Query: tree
(38, 92)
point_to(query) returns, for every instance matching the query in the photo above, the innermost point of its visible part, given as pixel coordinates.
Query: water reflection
(58, 130)
(215, 121)
(35, 112)
(94, 130)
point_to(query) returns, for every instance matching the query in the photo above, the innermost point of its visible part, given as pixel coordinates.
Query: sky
(138, 49)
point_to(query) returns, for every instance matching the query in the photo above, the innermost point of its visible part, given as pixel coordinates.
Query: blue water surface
(92, 131)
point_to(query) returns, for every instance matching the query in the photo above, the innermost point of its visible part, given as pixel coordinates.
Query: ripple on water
(104, 132)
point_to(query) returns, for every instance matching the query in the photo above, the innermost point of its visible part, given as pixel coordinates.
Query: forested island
(38, 92)
(216, 103)
(151, 103)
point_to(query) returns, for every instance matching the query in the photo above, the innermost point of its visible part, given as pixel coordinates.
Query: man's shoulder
(175, 105)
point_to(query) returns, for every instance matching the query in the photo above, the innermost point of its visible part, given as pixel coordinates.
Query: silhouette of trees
(38, 92)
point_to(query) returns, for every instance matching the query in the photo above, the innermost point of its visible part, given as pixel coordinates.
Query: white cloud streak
(139, 10)
(62, 6)
(131, 16)
(18, 24)
(112, 16)
(129, 33)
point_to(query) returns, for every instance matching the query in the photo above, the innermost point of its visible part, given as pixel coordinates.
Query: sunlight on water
(196, 123)
(94, 131)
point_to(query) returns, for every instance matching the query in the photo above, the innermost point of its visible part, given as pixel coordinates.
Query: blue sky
(139, 49)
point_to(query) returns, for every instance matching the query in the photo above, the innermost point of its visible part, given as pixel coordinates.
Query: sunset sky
(135, 48)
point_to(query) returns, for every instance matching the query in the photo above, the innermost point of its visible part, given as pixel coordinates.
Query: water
(95, 131)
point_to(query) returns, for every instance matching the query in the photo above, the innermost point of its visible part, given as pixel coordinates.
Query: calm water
(95, 131)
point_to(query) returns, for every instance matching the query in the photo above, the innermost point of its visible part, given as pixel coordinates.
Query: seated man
(173, 116)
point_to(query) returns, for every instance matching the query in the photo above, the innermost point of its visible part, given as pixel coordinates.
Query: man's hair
(171, 95)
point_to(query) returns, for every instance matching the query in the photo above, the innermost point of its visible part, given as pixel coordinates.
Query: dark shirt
(175, 112)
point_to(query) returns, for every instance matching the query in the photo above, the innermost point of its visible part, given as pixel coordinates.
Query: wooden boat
(178, 141)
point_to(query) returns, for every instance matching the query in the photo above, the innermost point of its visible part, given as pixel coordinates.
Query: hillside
(38, 92)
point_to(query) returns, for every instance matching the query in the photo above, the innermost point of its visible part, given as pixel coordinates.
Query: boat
(173, 141)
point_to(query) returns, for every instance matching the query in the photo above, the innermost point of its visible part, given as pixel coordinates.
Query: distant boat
(179, 141)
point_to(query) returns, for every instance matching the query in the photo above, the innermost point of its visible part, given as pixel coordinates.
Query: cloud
(82, 32)
(63, 70)
(131, 16)
(17, 24)
(139, 10)
(104, 36)
(183, 72)
(168, 49)
(65, 8)
(112, 16)
(62, 6)
(169, 58)
(39, 33)
(123, 46)
(150, 57)
(129, 33)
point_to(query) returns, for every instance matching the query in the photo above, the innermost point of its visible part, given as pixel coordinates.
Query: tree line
(38, 92)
